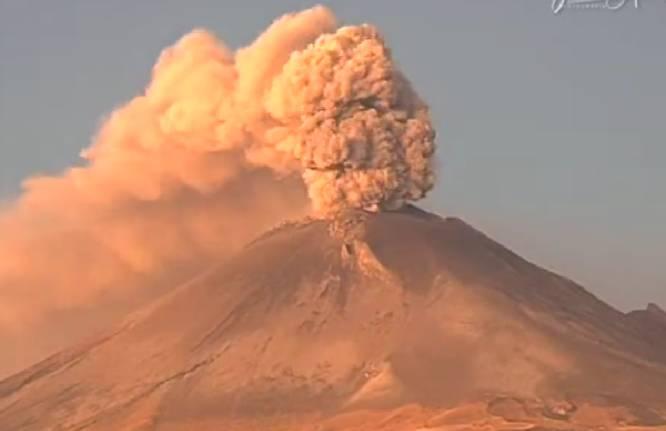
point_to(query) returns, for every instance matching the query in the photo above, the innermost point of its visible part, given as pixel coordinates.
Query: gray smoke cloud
(361, 135)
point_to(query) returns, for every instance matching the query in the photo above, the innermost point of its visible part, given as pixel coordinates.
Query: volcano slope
(396, 320)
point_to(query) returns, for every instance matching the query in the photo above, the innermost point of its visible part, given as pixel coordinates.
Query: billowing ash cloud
(335, 110)
(221, 145)
(361, 136)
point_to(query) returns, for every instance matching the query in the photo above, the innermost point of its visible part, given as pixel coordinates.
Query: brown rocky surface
(391, 321)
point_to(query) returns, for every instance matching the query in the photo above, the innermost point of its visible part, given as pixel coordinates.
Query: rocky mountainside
(396, 320)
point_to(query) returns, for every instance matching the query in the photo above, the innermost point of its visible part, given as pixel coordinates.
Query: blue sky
(551, 128)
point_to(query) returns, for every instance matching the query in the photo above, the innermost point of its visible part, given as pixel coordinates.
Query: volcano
(394, 320)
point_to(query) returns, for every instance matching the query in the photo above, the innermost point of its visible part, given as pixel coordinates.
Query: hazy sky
(552, 128)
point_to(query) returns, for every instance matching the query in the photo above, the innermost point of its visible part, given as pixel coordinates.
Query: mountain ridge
(368, 311)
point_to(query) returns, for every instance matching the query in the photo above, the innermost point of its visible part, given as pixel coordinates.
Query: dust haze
(310, 118)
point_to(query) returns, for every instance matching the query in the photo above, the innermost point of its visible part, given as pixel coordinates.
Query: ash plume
(220, 146)
(362, 137)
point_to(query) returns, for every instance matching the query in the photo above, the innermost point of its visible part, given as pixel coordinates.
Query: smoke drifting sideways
(220, 146)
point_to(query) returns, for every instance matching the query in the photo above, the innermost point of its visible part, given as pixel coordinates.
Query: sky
(551, 128)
